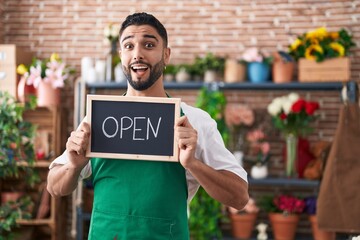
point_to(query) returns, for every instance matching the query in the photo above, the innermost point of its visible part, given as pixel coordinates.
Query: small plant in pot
(212, 66)
(284, 211)
(243, 221)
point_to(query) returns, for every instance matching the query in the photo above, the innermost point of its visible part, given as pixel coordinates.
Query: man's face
(143, 56)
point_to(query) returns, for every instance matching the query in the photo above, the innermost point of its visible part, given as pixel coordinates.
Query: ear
(167, 52)
(119, 52)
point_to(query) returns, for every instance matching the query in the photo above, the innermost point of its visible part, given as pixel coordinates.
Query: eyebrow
(145, 36)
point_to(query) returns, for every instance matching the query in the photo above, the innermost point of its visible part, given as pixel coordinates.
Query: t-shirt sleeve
(62, 159)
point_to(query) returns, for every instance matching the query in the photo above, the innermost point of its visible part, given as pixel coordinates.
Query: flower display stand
(284, 226)
(242, 225)
(337, 69)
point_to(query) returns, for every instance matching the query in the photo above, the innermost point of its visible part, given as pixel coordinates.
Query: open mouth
(139, 68)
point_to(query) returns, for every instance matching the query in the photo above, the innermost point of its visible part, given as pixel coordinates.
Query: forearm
(224, 186)
(63, 179)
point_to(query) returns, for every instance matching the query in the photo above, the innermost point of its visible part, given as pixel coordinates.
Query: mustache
(139, 62)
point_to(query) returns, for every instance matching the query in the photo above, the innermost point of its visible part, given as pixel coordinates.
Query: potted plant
(283, 213)
(182, 73)
(234, 71)
(10, 212)
(322, 55)
(169, 73)
(310, 209)
(206, 212)
(212, 66)
(17, 136)
(243, 221)
(258, 153)
(258, 65)
(283, 67)
(48, 77)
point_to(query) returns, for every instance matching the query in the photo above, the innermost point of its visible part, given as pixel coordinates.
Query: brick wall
(1, 20)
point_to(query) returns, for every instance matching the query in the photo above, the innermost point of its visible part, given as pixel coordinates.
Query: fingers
(183, 121)
(79, 139)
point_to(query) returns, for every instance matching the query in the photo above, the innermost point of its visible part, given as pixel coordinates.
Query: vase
(111, 62)
(242, 225)
(291, 156)
(258, 72)
(48, 96)
(259, 171)
(319, 234)
(284, 226)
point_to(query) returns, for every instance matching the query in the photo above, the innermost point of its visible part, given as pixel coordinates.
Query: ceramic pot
(259, 171)
(242, 225)
(47, 95)
(319, 234)
(258, 72)
(284, 226)
(210, 76)
(234, 71)
(24, 90)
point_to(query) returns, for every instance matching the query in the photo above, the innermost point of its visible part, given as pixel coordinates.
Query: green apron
(137, 200)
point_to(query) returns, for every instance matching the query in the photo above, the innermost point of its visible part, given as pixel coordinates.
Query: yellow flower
(54, 57)
(21, 69)
(295, 44)
(319, 33)
(334, 35)
(309, 53)
(338, 48)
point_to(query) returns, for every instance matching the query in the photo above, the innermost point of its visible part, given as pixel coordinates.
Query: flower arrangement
(255, 55)
(320, 44)
(258, 147)
(292, 114)
(111, 32)
(310, 205)
(52, 70)
(285, 204)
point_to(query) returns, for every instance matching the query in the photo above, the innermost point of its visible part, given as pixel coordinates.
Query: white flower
(275, 107)
(107, 32)
(293, 97)
(115, 31)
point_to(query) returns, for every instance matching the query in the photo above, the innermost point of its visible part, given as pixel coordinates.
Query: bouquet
(258, 147)
(111, 32)
(320, 44)
(292, 114)
(52, 70)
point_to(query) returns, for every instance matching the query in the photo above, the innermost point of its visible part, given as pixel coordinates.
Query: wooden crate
(331, 70)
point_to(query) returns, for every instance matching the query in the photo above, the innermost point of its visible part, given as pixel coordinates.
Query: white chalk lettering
(152, 128)
(137, 129)
(122, 125)
(103, 127)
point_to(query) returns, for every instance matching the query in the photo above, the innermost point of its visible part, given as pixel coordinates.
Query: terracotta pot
(47, 95)
(10, 196)
(242, 224)
(319, 234)
(283, 72)
(284, 226)
(234, 71)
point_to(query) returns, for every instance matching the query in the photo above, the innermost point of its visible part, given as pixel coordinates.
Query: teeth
(139, 67)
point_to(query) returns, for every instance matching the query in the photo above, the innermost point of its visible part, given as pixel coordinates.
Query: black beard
(155, 73)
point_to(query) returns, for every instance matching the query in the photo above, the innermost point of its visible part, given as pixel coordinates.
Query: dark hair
(143, 18)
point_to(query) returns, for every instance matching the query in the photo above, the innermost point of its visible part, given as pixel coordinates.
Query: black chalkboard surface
(139, 128)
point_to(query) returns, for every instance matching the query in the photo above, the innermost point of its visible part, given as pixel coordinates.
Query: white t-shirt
(210, 149)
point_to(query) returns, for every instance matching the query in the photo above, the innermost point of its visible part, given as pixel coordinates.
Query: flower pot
(210, 76)
(258, 72)
(283, 226)
(259, 171)
(282, 72)
(319, 234)
(234, 71)
(242, 225)
(47, 95)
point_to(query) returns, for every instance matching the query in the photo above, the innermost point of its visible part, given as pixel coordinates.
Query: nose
(137, 54)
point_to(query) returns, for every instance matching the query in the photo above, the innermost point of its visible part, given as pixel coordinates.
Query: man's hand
(77, 144)
(186, 138)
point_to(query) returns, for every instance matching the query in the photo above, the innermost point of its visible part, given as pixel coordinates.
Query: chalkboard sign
(139, 128)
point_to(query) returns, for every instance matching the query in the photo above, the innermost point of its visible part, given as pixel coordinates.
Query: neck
(156, 90)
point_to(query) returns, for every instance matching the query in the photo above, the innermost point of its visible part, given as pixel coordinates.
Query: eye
(149, 45)
(128, 46)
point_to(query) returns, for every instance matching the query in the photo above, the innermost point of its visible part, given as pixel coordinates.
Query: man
(148, 199)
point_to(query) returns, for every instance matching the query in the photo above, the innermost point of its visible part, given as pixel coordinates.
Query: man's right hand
(77, 144)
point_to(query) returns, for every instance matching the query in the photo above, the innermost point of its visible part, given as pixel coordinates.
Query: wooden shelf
(37, 164)
(31, 222)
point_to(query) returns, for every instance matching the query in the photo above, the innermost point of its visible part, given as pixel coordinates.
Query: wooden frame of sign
(136, 128)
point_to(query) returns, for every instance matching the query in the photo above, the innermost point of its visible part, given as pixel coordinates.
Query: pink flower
(265, 148)
(34, 77)
(236, 114)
